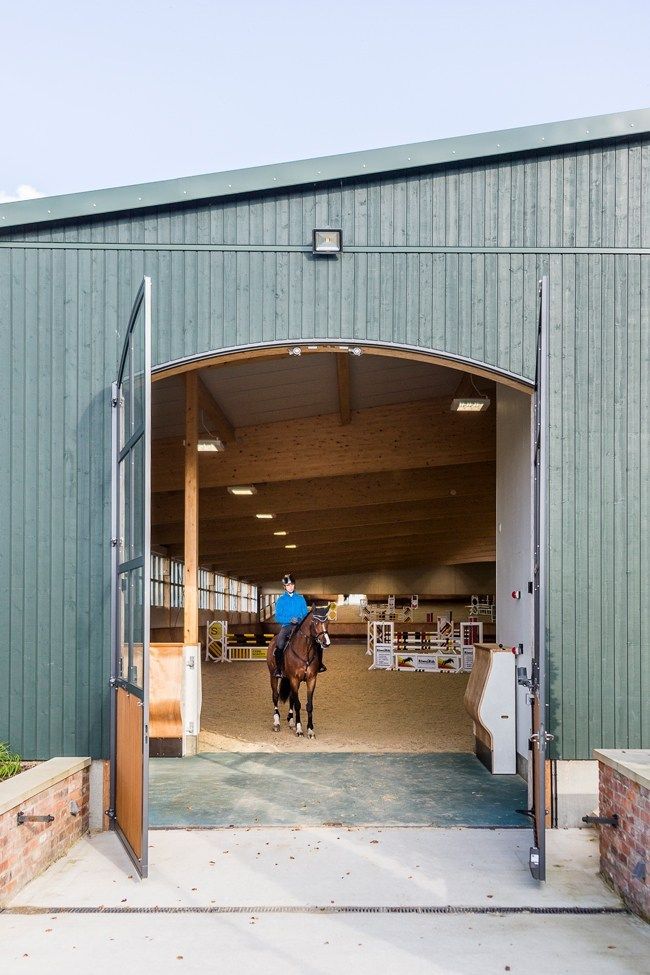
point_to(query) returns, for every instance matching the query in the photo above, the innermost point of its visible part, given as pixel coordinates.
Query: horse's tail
(285, 689)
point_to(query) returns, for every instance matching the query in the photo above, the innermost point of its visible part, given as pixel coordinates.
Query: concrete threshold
(320, 900)
(311, 866)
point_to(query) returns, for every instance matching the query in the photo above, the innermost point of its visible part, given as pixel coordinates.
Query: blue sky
(107, 93)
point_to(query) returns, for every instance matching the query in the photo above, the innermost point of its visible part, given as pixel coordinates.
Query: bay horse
(302, 657)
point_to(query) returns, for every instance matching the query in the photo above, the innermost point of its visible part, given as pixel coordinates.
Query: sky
(99, 93)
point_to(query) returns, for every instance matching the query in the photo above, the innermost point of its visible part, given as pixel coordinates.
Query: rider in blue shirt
(290, 611)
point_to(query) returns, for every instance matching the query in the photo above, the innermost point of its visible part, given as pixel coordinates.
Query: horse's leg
(290, 715)
(311, 687)
(275, 691)
(295, 695)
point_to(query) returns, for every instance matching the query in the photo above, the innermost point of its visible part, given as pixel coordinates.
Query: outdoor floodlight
(327, 242)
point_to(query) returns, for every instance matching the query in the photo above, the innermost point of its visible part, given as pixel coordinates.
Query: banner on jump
(428, 662)
(383, 656)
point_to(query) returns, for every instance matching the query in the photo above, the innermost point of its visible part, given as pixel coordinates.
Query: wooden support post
(191, 602)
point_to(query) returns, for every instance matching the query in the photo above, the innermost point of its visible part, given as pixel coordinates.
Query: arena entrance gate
(131, 401)
(131, 570)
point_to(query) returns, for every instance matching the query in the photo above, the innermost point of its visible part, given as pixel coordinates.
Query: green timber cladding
(441, 253)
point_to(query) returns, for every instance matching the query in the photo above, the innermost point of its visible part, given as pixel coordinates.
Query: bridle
(321, 636)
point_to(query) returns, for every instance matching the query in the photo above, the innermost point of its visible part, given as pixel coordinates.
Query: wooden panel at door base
(128, 783)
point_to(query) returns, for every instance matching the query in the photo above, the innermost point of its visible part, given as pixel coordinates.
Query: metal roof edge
(325, 169)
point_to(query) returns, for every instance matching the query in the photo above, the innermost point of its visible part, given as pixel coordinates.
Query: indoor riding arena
(416, 379)
(367, 484)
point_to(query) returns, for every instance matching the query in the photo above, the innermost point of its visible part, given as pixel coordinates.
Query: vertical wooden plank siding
(446, 259)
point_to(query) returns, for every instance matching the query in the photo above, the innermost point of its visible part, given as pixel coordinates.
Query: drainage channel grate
(326, 909)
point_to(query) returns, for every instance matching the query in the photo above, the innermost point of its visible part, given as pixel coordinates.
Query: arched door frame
(276, 348)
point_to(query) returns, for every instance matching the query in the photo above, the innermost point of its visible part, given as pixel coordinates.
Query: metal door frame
(143, 298)
(540, 737)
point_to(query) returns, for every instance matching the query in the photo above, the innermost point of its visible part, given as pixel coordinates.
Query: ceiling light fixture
(208, 442)
(210, 445)
(279, 533)
(243, 489)
(468, 398)
(264, 517)
(291, 546)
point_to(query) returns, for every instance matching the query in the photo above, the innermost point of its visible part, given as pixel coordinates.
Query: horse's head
(318, 626)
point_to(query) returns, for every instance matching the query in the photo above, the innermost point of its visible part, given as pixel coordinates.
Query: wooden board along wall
(129, 769)
(165, 690)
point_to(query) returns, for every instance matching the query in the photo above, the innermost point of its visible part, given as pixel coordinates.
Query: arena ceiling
(360, 460)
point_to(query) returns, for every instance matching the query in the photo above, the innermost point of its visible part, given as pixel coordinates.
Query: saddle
(279, 653)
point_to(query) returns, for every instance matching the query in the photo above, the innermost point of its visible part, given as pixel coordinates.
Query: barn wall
(446, 260)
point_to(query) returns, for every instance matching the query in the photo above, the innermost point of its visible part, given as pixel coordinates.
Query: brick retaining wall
(27, 850)
(625, 850)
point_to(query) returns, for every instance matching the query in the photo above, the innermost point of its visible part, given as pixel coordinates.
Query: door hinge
(110, 813)
(112, 681)
(114, 401)
(114, 542)
(535, 738)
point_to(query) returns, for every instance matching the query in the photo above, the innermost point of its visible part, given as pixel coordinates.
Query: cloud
(24, 192)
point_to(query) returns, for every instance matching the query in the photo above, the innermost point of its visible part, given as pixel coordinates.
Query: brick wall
(25, 851)
(625, 850)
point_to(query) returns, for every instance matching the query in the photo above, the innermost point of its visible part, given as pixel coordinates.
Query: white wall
(515, 538)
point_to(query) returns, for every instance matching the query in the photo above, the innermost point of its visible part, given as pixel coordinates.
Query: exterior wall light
(243, 489)
(296, 350)
(327, 242)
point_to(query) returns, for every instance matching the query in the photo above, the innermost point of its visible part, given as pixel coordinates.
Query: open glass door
(540, 737)
(131, 402)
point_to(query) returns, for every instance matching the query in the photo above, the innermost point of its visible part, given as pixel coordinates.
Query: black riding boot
(321, 666)
(278, 662)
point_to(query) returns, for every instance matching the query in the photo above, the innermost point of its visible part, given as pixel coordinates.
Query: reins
(310, 643)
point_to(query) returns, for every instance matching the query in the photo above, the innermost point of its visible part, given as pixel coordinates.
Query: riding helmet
(287, 578)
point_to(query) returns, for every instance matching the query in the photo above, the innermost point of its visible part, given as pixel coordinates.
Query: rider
(290, 611)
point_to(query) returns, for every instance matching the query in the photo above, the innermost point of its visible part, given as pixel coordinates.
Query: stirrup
(322, 669)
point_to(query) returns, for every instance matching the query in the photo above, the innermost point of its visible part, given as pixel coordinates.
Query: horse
(302, 656)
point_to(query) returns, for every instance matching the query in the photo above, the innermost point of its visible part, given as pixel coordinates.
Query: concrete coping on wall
(20, 788)
(633, 763)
